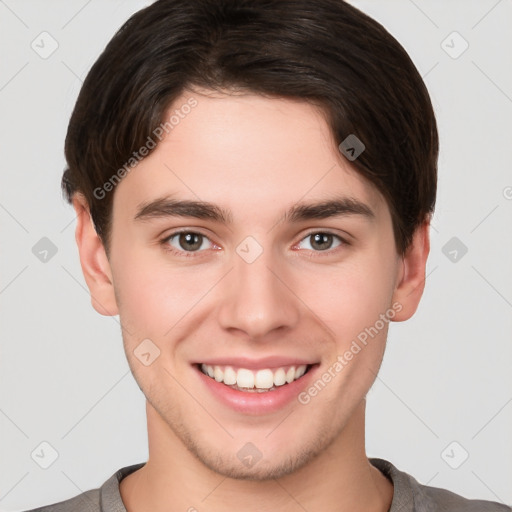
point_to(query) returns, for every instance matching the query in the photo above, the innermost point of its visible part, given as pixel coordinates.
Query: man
(253, 182)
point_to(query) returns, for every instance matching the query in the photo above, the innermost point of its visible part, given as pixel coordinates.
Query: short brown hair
(325, 52)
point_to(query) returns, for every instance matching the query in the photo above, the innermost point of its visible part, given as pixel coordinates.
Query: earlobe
(411, 278)
(93, 260)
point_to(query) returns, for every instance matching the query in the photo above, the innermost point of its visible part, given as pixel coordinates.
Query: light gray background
(446, 376)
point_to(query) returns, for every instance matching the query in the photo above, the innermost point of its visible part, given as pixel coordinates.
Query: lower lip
(254, 402)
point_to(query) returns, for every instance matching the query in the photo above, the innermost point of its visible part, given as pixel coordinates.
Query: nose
(257, 297)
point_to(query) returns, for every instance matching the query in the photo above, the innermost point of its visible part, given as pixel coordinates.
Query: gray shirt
(408, 496)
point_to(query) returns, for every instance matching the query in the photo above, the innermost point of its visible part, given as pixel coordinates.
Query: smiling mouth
(255, 381)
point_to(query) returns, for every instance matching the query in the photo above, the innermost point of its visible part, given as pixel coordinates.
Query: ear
(411, 278)
(94, 261)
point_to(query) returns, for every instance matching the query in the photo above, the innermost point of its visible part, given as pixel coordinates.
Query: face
(276, 284)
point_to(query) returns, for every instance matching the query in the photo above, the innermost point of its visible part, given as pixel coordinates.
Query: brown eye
(184, 241)
(323, 240)
(192, 241)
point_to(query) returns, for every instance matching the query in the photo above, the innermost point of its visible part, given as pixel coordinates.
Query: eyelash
(189, 254)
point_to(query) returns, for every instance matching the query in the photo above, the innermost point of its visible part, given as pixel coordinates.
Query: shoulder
(88, 501)
(106, 498)
(435, 498)
(410, 495)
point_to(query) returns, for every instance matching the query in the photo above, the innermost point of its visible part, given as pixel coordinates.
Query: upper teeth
(262, 379)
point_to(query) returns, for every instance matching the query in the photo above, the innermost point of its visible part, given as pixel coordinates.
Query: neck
(339, 478)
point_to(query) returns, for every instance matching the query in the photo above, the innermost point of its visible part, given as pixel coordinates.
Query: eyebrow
(170, 207)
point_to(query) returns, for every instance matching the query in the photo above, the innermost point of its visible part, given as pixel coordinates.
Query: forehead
(247, 153)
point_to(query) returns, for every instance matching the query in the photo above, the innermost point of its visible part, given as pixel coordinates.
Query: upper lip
(254, 364)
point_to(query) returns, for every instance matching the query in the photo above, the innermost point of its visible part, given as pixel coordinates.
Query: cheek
(352, 297)
(153, 295)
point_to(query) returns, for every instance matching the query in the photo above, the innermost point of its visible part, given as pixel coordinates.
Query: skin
(287, 302)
